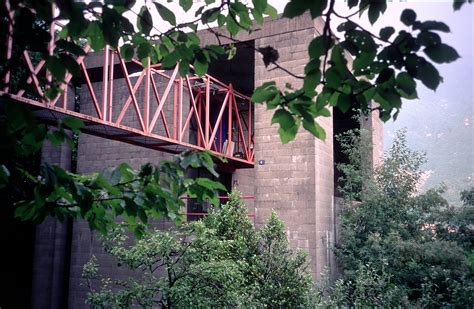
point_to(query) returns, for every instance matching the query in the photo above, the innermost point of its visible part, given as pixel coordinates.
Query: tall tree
(409, 240)
(221, 261)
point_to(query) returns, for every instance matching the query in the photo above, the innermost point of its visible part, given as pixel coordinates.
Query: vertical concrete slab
(50, 263)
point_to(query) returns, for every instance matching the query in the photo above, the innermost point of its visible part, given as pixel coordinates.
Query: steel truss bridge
(143, 105)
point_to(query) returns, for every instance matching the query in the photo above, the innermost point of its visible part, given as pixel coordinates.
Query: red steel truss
(145, 105)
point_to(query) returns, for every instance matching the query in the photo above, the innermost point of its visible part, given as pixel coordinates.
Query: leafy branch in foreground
(113, 196)
(386, 69)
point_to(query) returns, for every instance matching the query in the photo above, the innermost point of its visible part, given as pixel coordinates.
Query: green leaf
(319, 45)
(111, 20)
(385, 75)
(183, 68)
(143, 217)
(96, 36)
(314, 128)
(333, 78)
(210, 15)
(429, 75)
(232, 26)
(265, 92)
(127, 52)
(352, 3)
(313, 65)
(287, 135)
(375, 9)
(56, 67)
(346, 26)
(296, 8)
(186, 4)
(75, 124)
(344, 102)
(392, 99)
(441, 53)
(316, 8)
(56, 137)
(386, 33)
(51, 93)
(324, 112)
(273, 103)
(260, 5)
(216, 49)
(165, 13)
(408, 17)
(457, 4)
(194, 39)
(257, 16)
(70, 47)
(101, 182)
(406, 83)
(284, 118)
(143, 51)
(200, 67)
(432, 25)
(363, 60)
(210, 184)
(244, 19)
(170, 60)
(271, 11)
(311, 80)
(362, 40)
(339, 61)
(428, 38)
(126, 172)
(71, 64)
(144, 20)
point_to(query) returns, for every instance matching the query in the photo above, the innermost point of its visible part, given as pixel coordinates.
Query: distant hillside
(441, 123)
(444, 130)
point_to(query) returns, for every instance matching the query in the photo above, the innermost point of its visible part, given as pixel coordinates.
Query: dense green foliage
(103, 199)
(221, 261)
(400, 247)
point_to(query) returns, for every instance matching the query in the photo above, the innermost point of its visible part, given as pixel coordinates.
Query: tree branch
(276, 64)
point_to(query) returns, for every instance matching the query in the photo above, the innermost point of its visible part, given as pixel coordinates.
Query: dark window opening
(238, 71)
(197, 210)
(342, 122)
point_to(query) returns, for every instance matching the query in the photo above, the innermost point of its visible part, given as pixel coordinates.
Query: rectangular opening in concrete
(240, 73)
(342, 122)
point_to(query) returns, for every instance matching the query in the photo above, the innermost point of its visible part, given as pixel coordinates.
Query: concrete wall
(296, 179)
(51, 249)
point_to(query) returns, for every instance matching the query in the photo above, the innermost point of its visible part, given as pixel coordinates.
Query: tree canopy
(398, 246)
(220, 261)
